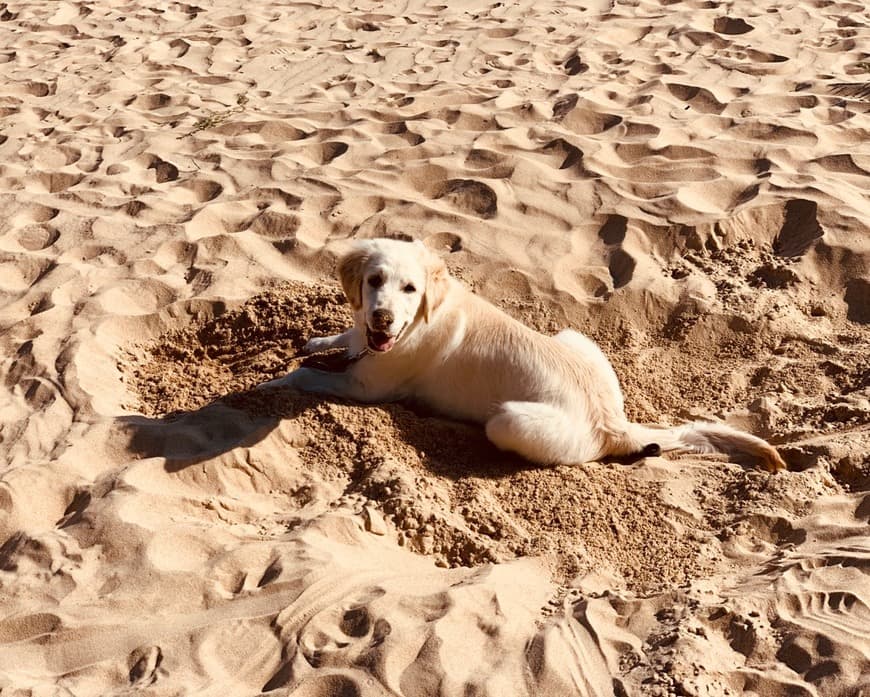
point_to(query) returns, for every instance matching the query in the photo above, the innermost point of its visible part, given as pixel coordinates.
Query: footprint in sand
(570, 155)
(700, 99)
(272, 195)
(21, 271)
(800, 229)
(444, 241)
(37, 237)
(150, 102)
(136, 297)
(489, 164)
(202, 190)
(586, 120)
(56, 156)
(858, 300)
(179, 47)
(219, 218)
(731, 25)
(332, 150)
(574, 66)
(232, 21)
(23, 627)
(75, 511)
(164, 171)
(269, 131)
(35, 89)
(340, 633)
(774, 133)
(271, 573)
(319, 686)
(279, 228)
(337, 633)
(563, 105)
(620, 263)
(469, 196)
(400, 128)
(854, 90)
(144, 663)
(34, 213)
(765, 57)
(843, 164)
(52, 182)
(175, 252)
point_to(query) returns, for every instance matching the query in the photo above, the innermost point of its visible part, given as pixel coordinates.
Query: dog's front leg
(350, 339)
(320, 382)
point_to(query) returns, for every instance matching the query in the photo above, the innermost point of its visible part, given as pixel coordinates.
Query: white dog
(554, 400)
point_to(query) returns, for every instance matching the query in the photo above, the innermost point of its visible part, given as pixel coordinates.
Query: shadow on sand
(447, 448)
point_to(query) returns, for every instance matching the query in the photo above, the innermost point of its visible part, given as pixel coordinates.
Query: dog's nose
(382, 319)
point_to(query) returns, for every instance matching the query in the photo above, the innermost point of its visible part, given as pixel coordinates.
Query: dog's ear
(437, 279)
(350, 273)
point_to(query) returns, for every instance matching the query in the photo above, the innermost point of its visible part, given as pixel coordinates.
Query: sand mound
(446, 490)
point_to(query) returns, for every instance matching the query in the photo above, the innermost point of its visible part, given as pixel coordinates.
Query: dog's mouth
(381, 341)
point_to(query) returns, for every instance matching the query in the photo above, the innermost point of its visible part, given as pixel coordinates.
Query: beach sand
(686, 182)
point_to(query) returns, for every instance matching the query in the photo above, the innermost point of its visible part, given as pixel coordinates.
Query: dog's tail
(702, 437)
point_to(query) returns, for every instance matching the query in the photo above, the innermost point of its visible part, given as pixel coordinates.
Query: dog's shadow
(187, 438)
(445, 447)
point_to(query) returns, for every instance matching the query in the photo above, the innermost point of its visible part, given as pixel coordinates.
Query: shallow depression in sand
(439, 486)
(214, 350)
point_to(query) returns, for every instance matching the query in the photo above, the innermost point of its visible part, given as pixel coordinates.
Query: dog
(419, 333)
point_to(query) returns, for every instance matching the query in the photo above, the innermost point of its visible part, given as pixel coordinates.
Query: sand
(685, 182)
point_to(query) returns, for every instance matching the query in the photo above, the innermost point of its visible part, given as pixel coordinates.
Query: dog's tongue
(381, 341)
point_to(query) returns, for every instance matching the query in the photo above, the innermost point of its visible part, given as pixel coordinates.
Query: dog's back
(480, 357)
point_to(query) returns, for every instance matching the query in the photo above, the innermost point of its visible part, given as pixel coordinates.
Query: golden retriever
(419, 333)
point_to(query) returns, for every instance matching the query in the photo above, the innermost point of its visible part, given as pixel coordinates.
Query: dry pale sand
(686, 181)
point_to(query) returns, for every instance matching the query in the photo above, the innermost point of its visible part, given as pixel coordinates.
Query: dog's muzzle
(378, 335)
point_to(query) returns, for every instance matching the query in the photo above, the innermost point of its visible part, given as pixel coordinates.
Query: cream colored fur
(554, 400)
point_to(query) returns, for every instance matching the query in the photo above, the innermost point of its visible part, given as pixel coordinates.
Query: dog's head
(391, 285)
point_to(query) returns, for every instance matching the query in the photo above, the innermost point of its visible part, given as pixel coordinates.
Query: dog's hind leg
(593, 357)
(542, 433)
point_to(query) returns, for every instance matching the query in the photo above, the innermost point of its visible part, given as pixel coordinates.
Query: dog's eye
(376, 281)
(409, 288)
